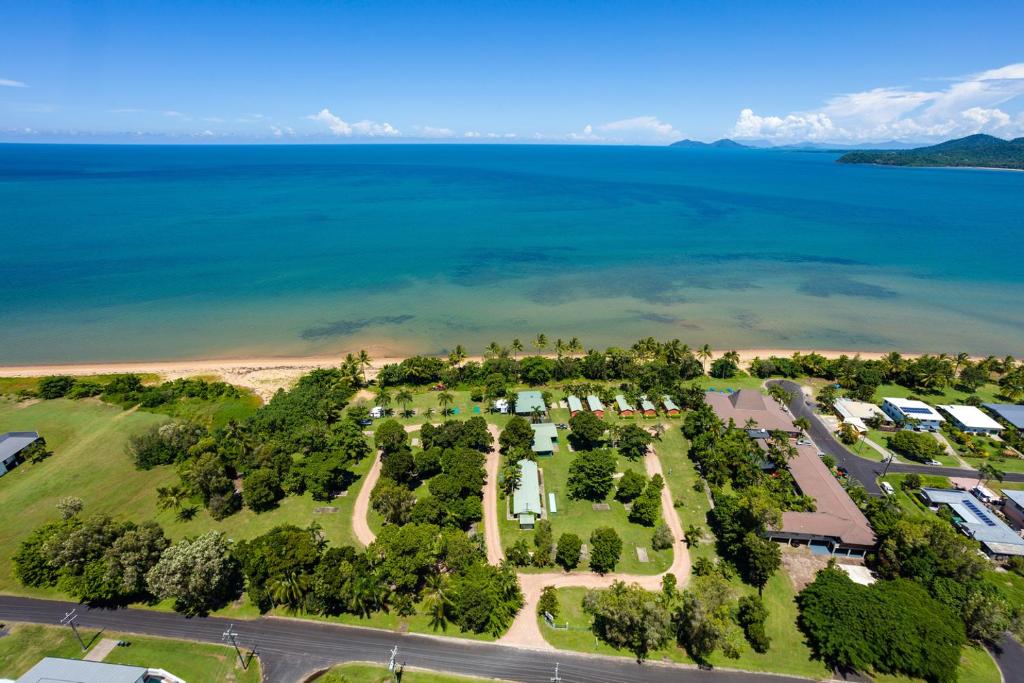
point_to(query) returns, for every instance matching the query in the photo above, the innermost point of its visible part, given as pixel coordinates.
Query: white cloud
(471, 134)
(970, 104)
(432, 132)
(281, 131)
(365, 128)
(8, 83)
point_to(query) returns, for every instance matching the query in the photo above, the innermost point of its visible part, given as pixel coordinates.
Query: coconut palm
(559, 347)
(366, 594)
(383, 399)
(404, 398)
(493, 350)
(457, 355)
(438, 603)
(575, 345)
(171, 497)
(540, 342)
(511, 476)
(732, 356)
(364, 362)
(290, 591)
(517, 347)
(961, 358)
(445, 399)
(704, 353)
(350, 366)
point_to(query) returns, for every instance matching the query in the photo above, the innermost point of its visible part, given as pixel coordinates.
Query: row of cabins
(624, 408)
(837, 526)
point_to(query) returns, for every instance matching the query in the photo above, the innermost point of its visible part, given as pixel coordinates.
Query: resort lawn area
(357, 672)
(88, 439)
(194, 662)
(909, 500)
(866, 451)
(948, 395)
(580, 518)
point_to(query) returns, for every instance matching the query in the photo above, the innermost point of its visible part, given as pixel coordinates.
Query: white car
(887, 488)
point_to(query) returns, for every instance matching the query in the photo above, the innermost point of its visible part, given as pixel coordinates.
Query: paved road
(863, 470)
(291, 649)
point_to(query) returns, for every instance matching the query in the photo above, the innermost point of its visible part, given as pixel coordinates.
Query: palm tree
(366, 594)
(961, 358)
(693, 536)
(540, 342)
(511, 476)
(383, 399)
(350, 366)
(517, 347)
(445, 399)
(732, 356)
(704, 353)
(457, 355)
(802, 423)
(493, 350)
(364, 361)
(404, 398)
(575, 345)
(536, 416)
(171, 497)
(559, 347)
(438, 602)
(988, 471)
(290, 590)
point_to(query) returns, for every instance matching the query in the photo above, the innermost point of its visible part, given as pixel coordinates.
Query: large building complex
(750, 409)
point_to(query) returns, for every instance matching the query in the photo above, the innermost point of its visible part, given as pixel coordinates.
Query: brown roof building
(837, 524)
(747, 404)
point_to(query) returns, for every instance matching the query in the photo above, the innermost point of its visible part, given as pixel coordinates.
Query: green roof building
(526, 498)
(528, 401)
(545, 436)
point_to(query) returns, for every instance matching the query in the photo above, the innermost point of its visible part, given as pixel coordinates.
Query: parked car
(935, 462)
(887, 488)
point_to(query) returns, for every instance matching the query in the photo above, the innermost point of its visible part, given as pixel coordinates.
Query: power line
(556, 678)
(70, 619)
(232, 635)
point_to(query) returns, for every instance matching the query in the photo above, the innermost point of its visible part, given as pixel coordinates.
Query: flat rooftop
(1011, 412)
(58, 670)
(916, 409)
(971, 417)
(528, 401)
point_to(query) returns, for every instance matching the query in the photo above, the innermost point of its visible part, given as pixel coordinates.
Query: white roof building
(970, 419)
(903, 409)
(855, 412)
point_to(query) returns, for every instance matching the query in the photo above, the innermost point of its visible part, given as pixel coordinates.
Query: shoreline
(264, 375)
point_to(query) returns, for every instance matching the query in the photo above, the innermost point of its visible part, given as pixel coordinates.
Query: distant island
(724, 143)
(984, 151)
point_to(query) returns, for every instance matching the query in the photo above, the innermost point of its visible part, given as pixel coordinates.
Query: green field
(194, 662)
(976, 666)
(371, 673)
(909, 501)
(88, 441)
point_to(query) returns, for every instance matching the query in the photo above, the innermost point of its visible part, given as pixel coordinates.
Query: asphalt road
(863, 470)
(292, 649)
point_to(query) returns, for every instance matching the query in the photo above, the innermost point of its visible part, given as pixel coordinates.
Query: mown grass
(14, 385)
(948, 395)
(194, 662)
(909, 501)
(357, 672)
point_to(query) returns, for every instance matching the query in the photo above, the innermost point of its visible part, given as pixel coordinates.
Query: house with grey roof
(975, 520)
(595, 406)
(575, 404)
(526, 503)
(12, 445)
(671, 409)
(60, 670)
(1011, 413)
(647, 408)
(625, 410)
(545, 436)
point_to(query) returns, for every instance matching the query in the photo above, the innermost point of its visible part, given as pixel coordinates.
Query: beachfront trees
(629, 617)
(540, 342)
(704, 353)
(199, 574)
(568, 551)
(365, 362)
(590, 475)
(517, 347)
(724, 368)
(605, 549)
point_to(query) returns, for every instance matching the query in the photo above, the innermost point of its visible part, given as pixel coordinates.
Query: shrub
(605, 549)
(567, 554)
(548, 602)
(752, 615)
(915, 445)
(55, 386)
(261, 490)
(662, 538)
(518, 553)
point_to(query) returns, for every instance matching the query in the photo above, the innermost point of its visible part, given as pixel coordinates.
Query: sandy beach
(266, 375)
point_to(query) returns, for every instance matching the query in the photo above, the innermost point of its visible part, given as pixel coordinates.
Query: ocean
(175, 252)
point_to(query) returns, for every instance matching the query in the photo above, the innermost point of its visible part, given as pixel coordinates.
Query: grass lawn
(865, 451)
(88, 440)
(948, 395)
(909, 501)
(579, 517)
(976, 666)
(195, 662)
(12, 385)
(372, 673)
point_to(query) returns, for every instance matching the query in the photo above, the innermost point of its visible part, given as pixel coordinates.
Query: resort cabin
(500, 405)
(545, 436)
(1011, 413)
(625, 410)
(647, 408)
(750, 409)
(837, 526)
(526, 503)
(12, 444)
(671, 409)
(911, 414)
(53, 669)
(854, 413)
(973, 519)
(970, 420)
(1013, 507)
(575, 405)
(530, 402)
(595, 405)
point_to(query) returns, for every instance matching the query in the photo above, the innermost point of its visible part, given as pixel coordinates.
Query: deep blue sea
(139, 252)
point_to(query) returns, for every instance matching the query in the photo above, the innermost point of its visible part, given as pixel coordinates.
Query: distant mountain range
(974, 150)
(724, 143)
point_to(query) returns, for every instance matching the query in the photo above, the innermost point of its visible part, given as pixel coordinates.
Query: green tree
(630, 485)
(662, 539)
(445, 400)
(261, 490)
(590, 475)
(517, 435)
(548, 602)
(198, 574)
(632, 441)
(605, 549)
(587, 430)
(761, 558)
(752, 616)
(404, 397)
(290, 591)
(567, 554)
(390, 436)
(628, 617)
(438, 604)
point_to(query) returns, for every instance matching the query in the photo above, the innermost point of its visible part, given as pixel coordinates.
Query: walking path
(100, 652)
(525, 631)
(950, 451)
(360, 526)
(492, 534)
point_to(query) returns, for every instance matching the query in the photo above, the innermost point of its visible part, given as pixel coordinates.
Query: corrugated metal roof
(971, 417)
(594, 403)
(646, 405)
(526, 497)
(575, 405)
(56, 670)
(623, 405)
(544, 436)
(527, 401)
(13, 443)
(1012, 413)
(669, 403)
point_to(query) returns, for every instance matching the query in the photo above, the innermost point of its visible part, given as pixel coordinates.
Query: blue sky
(593, 72)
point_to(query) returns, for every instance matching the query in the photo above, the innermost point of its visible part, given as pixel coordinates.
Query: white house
(971, 420)
(903, 410)
(854, 413)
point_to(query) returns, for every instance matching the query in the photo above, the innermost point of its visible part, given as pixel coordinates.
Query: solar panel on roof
(917, 411)
(970, 505)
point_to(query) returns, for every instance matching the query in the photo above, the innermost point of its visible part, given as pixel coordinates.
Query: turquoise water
(133, 253)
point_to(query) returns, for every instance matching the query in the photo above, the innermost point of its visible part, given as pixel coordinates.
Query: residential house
(575, 405)
(595, 405)
(625, 410)
(1011, 413)
(1013, 507)
(526, 502)
(647, 408)
(971, 517)
(855, 413)
(545, 436)
(971, 420)
(530, 402)
(912, 414)
(12, 445)
(60, 670)
(671, 409)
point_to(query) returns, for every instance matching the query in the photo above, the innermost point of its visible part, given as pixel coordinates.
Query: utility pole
(232, 635)
(892, 456)
(69, 619)
(393, 662)
(556, 678)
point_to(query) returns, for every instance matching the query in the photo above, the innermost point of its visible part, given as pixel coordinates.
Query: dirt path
(492, 533)
(360, 526)
(525, 631)
(950, 451)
